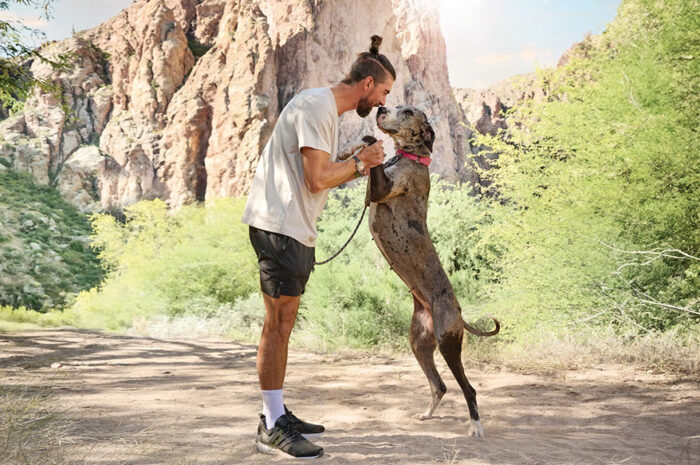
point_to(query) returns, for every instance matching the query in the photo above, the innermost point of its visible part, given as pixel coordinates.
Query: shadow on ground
(137, 400)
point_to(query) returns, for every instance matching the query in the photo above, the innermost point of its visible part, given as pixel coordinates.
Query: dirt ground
(134, 400)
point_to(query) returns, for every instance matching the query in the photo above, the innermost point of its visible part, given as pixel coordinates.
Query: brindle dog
(398, 198)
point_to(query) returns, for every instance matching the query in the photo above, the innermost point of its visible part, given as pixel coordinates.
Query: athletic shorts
(285, 263)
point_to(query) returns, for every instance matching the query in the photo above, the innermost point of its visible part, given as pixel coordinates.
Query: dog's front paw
(475, 429)
(422, 416)
(369, 140)
(356, 146)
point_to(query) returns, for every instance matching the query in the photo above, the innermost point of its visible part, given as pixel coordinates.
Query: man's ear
(368, 83)
(428, 135)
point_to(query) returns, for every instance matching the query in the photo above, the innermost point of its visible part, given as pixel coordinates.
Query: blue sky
(487, 40)
(490, 40)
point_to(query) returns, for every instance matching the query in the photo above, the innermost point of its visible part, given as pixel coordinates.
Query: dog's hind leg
(449, 340)
(423, 344)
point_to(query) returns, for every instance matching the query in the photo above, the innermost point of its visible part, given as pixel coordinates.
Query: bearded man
(295, 172)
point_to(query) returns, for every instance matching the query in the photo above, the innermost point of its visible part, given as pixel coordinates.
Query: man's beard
(363, 107)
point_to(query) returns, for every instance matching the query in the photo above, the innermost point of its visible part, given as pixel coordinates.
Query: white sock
(273, 406)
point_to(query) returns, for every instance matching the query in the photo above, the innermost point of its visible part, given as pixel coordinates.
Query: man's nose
(382, 110)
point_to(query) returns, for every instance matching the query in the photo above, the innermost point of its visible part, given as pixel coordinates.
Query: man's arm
(321, 173)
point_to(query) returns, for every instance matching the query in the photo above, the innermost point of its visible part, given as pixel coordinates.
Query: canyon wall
(175, 99)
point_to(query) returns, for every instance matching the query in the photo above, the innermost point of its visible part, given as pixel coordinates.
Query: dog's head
(408, 127)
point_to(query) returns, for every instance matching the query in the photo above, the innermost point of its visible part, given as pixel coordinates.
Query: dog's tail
(473, 330)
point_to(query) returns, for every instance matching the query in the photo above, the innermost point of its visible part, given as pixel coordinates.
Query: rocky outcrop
(40, 139)
(485, 111)
(175, 99)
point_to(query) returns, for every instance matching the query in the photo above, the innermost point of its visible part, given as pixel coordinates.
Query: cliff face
(485, 111)
(176, 98)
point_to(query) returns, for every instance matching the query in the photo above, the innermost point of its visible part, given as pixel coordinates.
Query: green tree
(599, 183)
(16, 80)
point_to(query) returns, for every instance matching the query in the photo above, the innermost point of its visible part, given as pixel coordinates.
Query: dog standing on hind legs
(397, 194)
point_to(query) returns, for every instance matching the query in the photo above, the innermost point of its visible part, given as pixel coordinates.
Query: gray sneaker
(284, 437)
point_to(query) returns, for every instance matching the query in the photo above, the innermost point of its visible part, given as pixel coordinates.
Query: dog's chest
(398, 227)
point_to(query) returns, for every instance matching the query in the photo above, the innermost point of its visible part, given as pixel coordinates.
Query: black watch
(359, 165)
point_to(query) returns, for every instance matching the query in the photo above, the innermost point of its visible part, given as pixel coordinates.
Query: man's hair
(370, 63)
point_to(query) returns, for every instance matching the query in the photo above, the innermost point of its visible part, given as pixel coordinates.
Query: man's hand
(372, 155)
(321, 173)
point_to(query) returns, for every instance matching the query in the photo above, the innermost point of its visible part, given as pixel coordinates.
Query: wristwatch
(359, 165)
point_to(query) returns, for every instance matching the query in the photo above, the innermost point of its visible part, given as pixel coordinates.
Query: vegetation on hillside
(194, 270)
(45, 253)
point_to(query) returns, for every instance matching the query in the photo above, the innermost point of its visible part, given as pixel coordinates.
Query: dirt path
(148, 401)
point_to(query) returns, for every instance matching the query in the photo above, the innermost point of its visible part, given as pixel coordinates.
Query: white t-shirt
(279, 200)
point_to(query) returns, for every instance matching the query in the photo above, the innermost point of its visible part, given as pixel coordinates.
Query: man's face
(375, 95)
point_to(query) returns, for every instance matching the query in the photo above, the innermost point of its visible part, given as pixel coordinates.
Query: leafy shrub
(598, 201)
(157, 261)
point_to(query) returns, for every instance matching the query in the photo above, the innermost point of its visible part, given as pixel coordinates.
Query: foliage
(166, 270)
(355, 300)
(197, 49)
(598, 202)
(162, 262)
(43, 245)
(16, 80)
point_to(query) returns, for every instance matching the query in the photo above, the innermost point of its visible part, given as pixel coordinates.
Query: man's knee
(281, 315)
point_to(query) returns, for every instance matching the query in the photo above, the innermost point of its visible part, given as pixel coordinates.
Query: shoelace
(291, 433)
(293, 417)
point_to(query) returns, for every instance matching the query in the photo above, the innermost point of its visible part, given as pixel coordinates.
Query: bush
(157, 261)
(598, 197)
(356, 300)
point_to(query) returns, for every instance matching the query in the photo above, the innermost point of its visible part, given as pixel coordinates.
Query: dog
(397, 195)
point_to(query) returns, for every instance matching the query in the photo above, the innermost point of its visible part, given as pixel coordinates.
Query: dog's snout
(382, 110)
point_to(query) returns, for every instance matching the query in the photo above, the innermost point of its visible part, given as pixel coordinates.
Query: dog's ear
(428, 135)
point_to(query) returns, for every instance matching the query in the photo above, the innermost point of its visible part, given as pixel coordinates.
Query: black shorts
(285, 263)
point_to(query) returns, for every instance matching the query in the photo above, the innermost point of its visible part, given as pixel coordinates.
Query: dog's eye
(407, 112)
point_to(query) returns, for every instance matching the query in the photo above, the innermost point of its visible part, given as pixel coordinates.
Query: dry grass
(36, 429)
(32, 428)
(660, 352)
(667, 352)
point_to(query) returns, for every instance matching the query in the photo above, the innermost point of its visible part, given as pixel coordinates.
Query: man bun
(370, 63)
(374, 46)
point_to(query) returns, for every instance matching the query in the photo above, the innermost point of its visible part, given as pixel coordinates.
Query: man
(296, 169)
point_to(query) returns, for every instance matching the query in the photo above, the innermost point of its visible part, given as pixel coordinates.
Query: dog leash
(399, 154)
(362, 216)
(346, 242)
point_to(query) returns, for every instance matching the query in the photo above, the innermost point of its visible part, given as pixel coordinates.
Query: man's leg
(280, 315)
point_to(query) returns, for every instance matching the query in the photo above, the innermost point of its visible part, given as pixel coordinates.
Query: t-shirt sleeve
(314, 129)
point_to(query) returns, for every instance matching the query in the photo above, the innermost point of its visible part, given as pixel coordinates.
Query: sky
(490, 40)
(487, 40)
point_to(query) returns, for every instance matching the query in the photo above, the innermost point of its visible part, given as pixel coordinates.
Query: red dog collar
(424, 160)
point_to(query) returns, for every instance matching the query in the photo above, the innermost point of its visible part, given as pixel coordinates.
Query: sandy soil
(147, 401)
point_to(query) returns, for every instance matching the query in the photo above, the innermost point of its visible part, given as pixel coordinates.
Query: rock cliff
(485, 111)
(175, 99)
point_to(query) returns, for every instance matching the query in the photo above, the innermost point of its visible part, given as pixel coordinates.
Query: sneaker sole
(265, 449)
